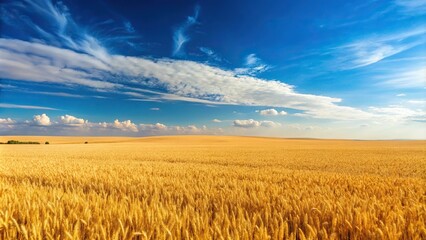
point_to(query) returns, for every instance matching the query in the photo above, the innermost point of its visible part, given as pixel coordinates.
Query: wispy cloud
(18, 106)
(417, 102)
(20, 60)
(399, 113)
(129, 27)
(252, 66)
(211, 54)
(361, 53)
(180, 35)
(62, 30)
(412, 7)
(414, 77)
(57, 94)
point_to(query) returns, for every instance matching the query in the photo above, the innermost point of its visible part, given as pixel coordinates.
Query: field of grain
(198, 187)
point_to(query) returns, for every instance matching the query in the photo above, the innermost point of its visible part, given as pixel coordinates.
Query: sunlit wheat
(213, 188)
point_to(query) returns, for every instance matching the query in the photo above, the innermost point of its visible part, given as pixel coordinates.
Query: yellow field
(212, 188)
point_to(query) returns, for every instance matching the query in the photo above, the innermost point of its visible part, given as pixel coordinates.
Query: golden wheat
(212, 188)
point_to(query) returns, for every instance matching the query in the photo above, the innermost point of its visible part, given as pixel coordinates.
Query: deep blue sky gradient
(318, 47)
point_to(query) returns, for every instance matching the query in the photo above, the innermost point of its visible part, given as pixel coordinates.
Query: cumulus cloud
(71, 125)
(162, 129)
(180, 35)
(125, 126)
(72, 121)
(41, 120)
(6, 121)
(250, 123)
(272, 112)
(152, 127)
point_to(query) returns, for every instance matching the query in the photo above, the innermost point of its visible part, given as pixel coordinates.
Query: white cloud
(340, 113)
(250, 123)
(207, 51)
(417, 102)
(412, 7)
(125, 125)
(413, 77)
(210, 53)
(152, 127)
(216, 120)
(162, 129)
(253, 65)
(155, 109)
(368, 51)
(398, 114)
(180, 35)
(385, 128)
(272, 112)
(7, 124)
(411, 3)
(63, 31)
(58, 94)
(6, 121)
(269, 124)
(251, 59)
(41, 63)
(42, 120)
(18, 106)
(401, 95)
(72, 121)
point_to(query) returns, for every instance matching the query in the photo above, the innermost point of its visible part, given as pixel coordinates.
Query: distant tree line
(19, 142)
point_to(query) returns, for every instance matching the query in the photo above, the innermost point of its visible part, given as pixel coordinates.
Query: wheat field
(201, 187)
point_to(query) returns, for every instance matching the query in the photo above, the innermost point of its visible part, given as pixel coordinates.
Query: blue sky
(354, 69)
